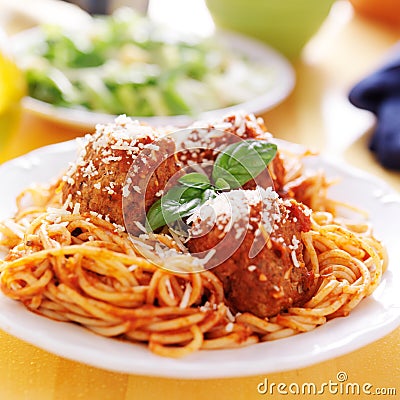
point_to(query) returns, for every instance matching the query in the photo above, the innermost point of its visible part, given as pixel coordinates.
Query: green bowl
(286, 25)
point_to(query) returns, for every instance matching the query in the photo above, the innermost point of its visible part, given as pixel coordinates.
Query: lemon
(12, 89)
(12, 81)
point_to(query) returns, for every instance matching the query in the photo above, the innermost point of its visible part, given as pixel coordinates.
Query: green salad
(127, 64)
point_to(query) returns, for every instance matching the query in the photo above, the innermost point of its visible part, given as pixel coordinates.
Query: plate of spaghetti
(212, 251)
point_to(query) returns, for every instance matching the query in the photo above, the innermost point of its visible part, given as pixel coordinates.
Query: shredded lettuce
(126, 64)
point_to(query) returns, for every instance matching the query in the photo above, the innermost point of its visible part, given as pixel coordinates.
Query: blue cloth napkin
(380, 94)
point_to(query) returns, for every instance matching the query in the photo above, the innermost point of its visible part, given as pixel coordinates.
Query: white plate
(281, 71)
(375, 317)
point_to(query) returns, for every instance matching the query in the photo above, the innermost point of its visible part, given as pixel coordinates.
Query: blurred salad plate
(126, 64)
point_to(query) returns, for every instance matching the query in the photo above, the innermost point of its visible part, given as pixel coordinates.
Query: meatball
(202, 142)
(255, 237)
(121, 171)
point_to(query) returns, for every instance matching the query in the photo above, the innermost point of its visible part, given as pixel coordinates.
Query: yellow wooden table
(316, 114)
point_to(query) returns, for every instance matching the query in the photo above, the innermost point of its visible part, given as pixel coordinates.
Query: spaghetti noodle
(78, 267)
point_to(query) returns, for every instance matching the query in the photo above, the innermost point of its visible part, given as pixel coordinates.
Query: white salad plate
(282, 80)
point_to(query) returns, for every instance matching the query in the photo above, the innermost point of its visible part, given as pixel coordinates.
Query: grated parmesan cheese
(186, 296)
(76, 209)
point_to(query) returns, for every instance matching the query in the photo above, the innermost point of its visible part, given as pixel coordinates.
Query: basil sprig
(236, 165)
(179, 202)
(241, 162)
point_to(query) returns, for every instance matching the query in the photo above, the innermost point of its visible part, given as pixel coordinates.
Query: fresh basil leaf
(221, 184)
(208, 194)
(240, 162)
(179, 202)
(236, 165)
(155, 218)
(195, 180)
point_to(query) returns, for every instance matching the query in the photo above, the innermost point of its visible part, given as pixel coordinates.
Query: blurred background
(321, 49)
